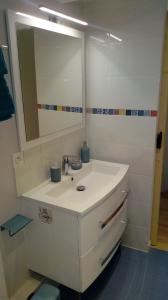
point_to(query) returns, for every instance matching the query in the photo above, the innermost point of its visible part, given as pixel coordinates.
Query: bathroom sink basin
(97, 179)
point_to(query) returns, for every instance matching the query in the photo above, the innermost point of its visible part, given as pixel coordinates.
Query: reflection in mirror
(51, 80)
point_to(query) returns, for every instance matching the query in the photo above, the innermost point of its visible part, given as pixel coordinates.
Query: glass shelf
(15, 224)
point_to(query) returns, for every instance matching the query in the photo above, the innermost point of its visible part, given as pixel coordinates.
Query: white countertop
(99, 177)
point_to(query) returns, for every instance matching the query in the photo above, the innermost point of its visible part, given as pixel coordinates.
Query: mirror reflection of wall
(51, 79)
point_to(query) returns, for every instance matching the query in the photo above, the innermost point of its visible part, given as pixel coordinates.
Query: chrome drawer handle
(109, 219)
(124, 221)
(104, 260)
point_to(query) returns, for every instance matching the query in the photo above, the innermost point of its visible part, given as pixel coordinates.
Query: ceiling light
(58, 14)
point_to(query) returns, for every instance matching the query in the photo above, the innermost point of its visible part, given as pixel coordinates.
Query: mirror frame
(12, 19)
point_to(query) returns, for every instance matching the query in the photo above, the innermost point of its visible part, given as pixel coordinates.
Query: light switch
(18, 160)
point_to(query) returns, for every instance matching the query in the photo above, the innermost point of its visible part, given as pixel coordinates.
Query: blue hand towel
(6, 103)
(3, 68)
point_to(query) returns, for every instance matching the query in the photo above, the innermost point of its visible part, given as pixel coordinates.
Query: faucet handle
(65, 158)
(70, 158)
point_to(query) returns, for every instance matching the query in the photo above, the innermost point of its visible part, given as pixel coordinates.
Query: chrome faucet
(66, 162)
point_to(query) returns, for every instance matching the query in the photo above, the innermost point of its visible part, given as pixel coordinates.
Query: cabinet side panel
(53, 247)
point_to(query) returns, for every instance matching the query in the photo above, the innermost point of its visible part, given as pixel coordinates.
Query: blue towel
(3, 67)
(6, 103)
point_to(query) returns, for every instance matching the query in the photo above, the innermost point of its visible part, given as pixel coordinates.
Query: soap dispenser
(85, 153)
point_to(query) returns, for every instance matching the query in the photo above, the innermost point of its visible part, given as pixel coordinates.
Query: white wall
(126, 76)
(13, 262)
(38, 160)
(3, 290)
(8, 201)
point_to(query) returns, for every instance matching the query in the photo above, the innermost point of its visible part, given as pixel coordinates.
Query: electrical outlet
(18, 160)
(45, 215)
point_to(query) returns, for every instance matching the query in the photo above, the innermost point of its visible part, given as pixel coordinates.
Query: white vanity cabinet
(71, 248)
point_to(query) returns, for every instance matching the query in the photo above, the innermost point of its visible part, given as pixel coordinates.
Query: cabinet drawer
(94, 262)
(101, 219)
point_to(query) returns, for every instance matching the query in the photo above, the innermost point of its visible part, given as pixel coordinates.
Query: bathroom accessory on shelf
(15, 224)
(55, 173)
(85, 153)
(75, 164)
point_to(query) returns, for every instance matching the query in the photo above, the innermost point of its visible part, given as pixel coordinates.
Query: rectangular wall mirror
(48, 77)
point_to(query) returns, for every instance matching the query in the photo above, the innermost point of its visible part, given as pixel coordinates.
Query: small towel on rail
(6, 103)
(3, 67)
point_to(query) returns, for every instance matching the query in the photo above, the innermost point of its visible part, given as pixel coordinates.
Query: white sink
(99, 178)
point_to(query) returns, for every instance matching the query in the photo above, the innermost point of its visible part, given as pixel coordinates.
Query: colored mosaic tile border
(122, 112)
(74, 109)
(101, 111)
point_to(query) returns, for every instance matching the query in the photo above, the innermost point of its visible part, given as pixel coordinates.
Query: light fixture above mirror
(61, 15)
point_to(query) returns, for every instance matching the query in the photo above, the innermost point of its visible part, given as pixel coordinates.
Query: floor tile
(131, 275)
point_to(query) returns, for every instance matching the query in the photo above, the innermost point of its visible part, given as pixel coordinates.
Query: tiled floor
(135, 276)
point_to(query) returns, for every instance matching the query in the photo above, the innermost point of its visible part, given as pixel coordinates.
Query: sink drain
(80, 188)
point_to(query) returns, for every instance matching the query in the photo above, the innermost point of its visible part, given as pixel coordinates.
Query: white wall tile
(136, 237)
(138, 18)
(126, 75)
(14, 262)
(14, 258)
(9, 207)
(53, 151)
(140, 200)
(31, 173)
(136, 92)
(139, 159)
(3, 289)
(37, 161)
(124, 130)
(121, 59)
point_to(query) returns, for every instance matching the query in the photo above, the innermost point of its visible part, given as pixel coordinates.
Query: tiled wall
(125, 75)
(37, 161)
(119, 76)
(13, 269)
(3, 290)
